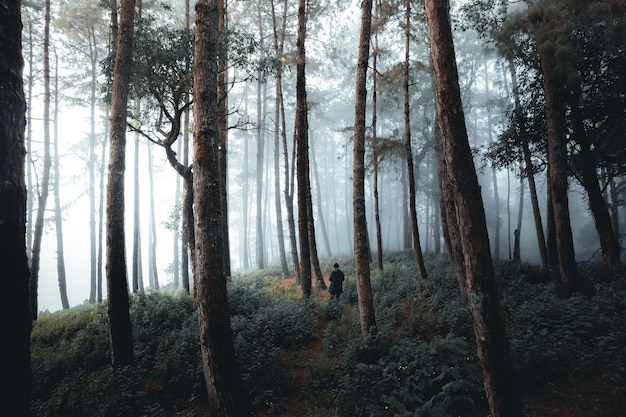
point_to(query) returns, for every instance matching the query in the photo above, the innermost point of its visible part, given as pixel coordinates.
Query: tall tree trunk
(406, 218)
(277, 204)
(320, 207)
(349, 227)
(302, 154)
(225, 394)
(520, 215)
(289, 172)
(177, 228)
(58, 212)
(101, 208)
(260, 152)
(138, 286)
(375, 156)
(417, 246)
(315, 262)
(222, 119)
(280, 132)
(557, 158)
(494, 177)
(244, 200)
(29, 143)
(91, 167)
(551, 250)
(613, 192)
(15, 308)
(187, 199)
(117, 280)
(528, 170)
(436, 195)
(153, 273)
(361, 243)
(45, 176)
(465, 225)
(609, 242)
(137, 279)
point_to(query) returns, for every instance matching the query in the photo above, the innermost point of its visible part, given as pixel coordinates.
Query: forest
(179, 178)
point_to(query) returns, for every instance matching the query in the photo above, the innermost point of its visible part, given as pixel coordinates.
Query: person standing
(336, 282)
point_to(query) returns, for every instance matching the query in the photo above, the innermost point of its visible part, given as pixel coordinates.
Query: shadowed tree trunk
(226, 398)
(153, 273)
(315, 262)
(557, 178)
(137, 278)
(15, 308)
(58, 212)
(45, 175)
(361, 243)
(463, 217)
(117, 284)
(609, 242)
(379, 237)
(320, 206)
(528, 170)
(260, 153)
(302, 155)
(279, 131)
(289, 183)
(417, 246)
(101, 209)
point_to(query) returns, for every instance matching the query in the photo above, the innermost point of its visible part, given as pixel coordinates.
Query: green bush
(422, 362)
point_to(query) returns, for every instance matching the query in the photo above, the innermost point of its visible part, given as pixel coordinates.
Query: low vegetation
(306, 358)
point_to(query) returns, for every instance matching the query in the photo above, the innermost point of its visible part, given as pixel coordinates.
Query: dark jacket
(336, 282)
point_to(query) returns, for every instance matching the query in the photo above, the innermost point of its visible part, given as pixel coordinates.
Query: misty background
(331, 56)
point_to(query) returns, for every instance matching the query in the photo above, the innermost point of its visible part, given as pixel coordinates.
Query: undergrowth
(307, 358)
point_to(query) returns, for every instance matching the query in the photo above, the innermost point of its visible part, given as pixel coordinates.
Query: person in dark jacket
(336, 282)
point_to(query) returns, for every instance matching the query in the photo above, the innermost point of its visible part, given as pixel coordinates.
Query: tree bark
(302, 154)
(465, 225)
(15, 308)
(609, 242)
(557, 158)
(222, 120)
(417, 246)
(117, 284)
(361, 243)
(225, 394)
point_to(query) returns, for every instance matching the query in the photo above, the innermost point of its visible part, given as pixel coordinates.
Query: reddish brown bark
(117, 284)
(463, 216)
(223, 381)
(361, 241)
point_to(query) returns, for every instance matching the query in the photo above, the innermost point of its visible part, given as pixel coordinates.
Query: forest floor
(585, 395)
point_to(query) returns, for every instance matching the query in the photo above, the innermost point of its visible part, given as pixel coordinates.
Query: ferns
(302, 358)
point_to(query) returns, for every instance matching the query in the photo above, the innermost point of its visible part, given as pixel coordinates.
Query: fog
(331, 54)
